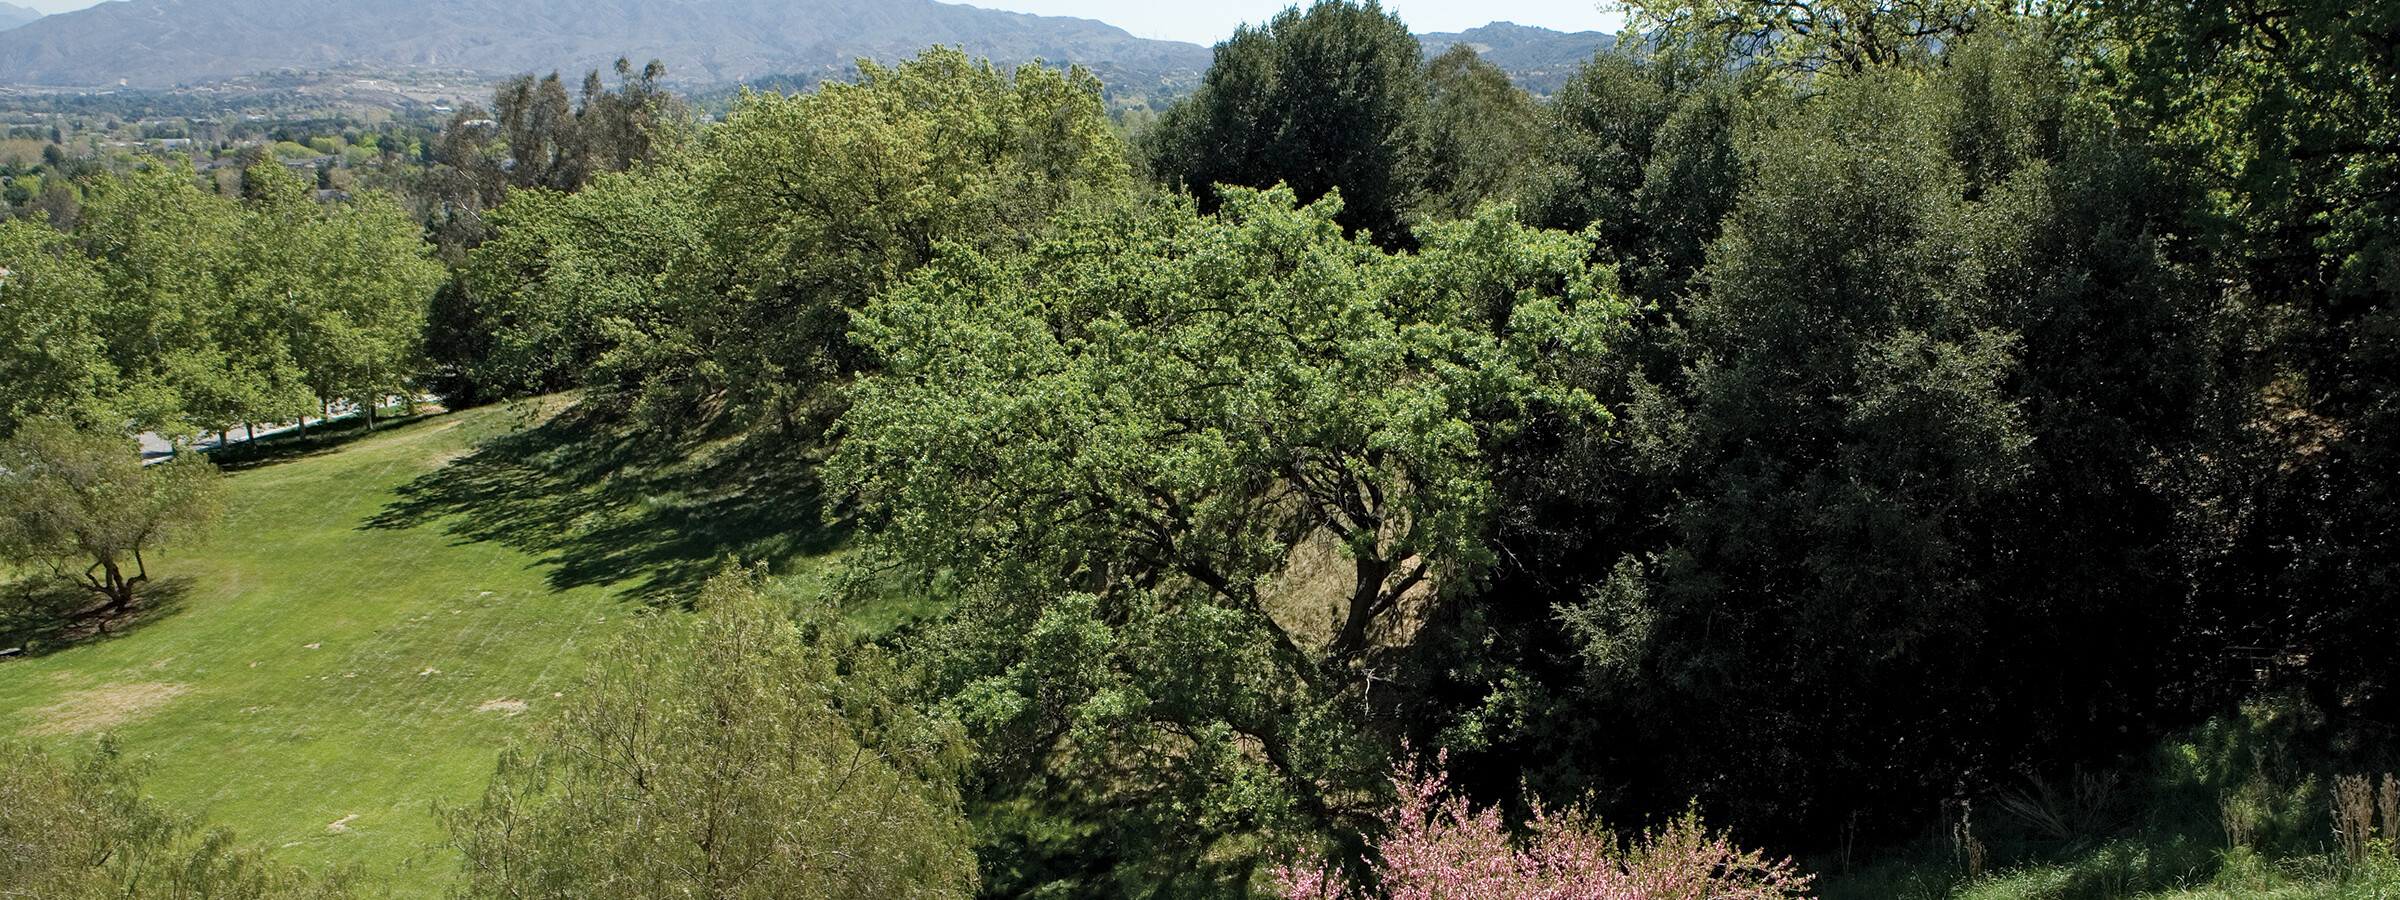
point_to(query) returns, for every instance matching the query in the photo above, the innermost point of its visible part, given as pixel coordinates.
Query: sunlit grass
(321, 686)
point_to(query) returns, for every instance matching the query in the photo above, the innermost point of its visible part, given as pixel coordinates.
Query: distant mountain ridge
(12, 15)
(160, 43)
(1538, 58)
(152, 44)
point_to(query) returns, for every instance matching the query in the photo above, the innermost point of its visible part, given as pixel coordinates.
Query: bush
(83, 831)
(1437, 847)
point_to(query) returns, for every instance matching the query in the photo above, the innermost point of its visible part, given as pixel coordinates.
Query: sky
(1214, 20)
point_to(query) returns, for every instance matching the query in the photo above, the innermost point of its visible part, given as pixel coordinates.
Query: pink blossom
(1437, 848)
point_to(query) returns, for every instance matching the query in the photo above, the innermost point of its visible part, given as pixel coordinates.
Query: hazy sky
(1214, 20)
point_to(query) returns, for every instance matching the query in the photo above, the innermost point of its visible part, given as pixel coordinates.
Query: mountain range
(164, 43)
(12, 15)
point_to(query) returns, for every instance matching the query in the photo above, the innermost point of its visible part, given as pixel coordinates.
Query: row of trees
(170, 308)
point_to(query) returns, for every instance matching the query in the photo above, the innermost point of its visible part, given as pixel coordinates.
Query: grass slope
(321, 684)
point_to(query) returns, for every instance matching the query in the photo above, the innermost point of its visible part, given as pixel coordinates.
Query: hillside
(1539, 59)
(159, 43)
(12, 15)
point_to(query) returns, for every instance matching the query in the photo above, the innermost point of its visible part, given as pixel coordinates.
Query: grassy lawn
(320, 684)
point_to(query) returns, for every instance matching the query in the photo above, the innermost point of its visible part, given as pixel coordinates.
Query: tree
(71, 497)
(1110, 449)
(343, 287)
(161, 245)
(1477, 126)
(535, 136)
(54, 359)
(592, 288)
(1640, 144)
(82, 830)
(1827, 463)
(730, 753)
(726, 280)
(1321, 101)
(1844, 37)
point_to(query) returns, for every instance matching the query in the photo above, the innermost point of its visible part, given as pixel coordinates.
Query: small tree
(80, 829)
(70, 496)
(728, 754)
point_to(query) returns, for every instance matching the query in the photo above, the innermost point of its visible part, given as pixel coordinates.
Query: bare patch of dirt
(105, 707)
(511, 707)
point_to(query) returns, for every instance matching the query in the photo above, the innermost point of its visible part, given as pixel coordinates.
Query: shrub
(1437, 848)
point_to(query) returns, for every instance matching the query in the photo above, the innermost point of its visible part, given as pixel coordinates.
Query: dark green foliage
(1475, 131)
(1321, 101)
(1111, 453)
(536, 135)
(1641, 146)
(1905, 489)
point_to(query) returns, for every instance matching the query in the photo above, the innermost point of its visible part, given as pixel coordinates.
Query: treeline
(172, 308)
(1824, 412)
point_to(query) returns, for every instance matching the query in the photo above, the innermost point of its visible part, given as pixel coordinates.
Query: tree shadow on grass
(604, 503)
(318, 439)
(44, 614)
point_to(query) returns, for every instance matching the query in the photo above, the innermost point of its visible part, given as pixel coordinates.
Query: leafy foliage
(73, 497)
(1321, 101)
(726, 278)
(83, 831)
(1108, 449)
(737, 754)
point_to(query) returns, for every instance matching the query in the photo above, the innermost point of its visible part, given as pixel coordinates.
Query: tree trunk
(114, 587)
(1366, 600)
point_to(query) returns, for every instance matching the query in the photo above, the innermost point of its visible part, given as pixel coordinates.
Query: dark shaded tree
(1321, 101)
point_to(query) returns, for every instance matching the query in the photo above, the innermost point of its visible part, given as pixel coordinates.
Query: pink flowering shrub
(1438, 849)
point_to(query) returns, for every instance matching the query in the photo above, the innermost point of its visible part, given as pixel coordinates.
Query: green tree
(161, 245)
(1845, 37)
(730, 753)
(593, 288)
(72, 497)
(2280, 116)
(1325, 100)
(1476, 128)
(1829, 460)
(54, 357)
(1641, 144)
(724, 278)
(347, 285)
(83, 831)
(1111, 449)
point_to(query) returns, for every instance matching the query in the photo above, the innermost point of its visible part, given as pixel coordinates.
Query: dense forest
(1950, 443)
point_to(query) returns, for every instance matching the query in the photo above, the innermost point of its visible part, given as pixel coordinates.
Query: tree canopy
(738, 753)
(84, 499)
(1114, 447)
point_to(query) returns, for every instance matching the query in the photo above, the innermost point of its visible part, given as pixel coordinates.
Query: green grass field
(320, 684)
